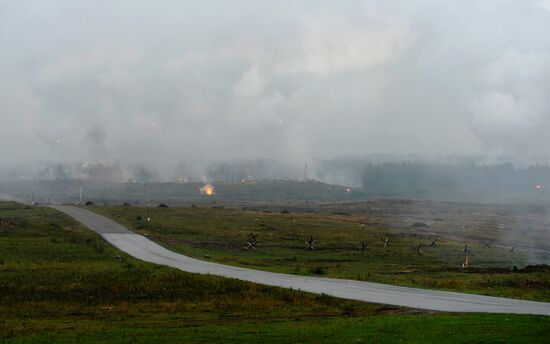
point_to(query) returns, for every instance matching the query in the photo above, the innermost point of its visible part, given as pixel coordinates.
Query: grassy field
(61, 283)
(66, 191)
(220, 234)
(269, 191)
(373, 329)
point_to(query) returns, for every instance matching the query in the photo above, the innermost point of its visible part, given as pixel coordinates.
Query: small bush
(319, 270)
(54, 225)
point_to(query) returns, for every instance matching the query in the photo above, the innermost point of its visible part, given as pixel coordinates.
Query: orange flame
(207, 190)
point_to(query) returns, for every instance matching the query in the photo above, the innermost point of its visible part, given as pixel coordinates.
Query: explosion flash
(207, 190)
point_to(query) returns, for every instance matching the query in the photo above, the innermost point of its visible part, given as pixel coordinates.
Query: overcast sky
(168, 81)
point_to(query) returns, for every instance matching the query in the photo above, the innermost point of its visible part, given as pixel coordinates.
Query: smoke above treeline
(115, 172)
(399, 173)
(135, 87)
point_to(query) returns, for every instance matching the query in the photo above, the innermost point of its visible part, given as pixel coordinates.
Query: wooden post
(364, 246)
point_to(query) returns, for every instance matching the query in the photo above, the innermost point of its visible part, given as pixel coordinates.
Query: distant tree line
(429, 178)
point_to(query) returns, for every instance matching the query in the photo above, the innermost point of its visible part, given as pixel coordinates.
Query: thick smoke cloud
(136, 83)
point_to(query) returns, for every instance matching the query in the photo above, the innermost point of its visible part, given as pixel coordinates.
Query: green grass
(52, 269)
(220, 234)
(375, 329)
(177, 193)
(61, 283)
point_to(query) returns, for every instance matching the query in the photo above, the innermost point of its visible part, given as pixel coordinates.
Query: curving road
(142, 248)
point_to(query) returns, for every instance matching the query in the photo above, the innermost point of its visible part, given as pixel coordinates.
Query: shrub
(318, 270)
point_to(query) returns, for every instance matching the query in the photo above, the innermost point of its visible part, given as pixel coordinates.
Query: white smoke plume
(145, 84)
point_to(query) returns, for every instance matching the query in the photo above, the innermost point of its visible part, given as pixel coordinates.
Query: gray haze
(181, 83)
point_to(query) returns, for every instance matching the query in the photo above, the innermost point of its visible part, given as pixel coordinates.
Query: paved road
(142, 248)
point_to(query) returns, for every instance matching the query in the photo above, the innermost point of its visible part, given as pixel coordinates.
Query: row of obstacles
(252, 241)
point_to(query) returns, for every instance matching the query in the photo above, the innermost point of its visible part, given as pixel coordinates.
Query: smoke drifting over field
(136, 83)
